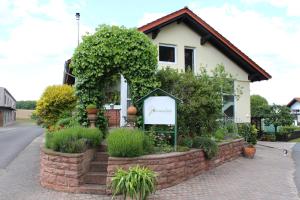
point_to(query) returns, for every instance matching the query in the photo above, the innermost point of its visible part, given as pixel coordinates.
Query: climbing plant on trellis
(109, 51)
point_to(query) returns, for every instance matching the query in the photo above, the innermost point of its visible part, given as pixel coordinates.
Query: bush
(202, 105)
(248, 132)
(188, 142)
(220, 134)
(137, 183)
(209, 146)
(73, 140)
(67, 122)
(91, 106)
(268, 137)
(124, 142)
(182, 149)
(54, 103)
(197, 141)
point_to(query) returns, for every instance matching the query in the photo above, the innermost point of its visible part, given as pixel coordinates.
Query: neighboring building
(294, 105)
(7, 108)
(186, 42)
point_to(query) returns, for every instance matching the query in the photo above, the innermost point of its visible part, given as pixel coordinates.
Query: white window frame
(194, 58)
(175, 54)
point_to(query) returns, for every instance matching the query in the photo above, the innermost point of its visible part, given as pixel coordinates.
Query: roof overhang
(208, 34)
(293, 101)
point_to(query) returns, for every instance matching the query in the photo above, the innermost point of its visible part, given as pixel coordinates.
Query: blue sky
(36, 37)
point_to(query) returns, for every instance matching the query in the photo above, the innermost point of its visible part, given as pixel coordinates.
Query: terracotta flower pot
(249, 151)
(92, 110)
(131, 110)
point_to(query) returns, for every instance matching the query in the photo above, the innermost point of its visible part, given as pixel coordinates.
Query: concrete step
(95, 178)
(92, 189)
(101, 156)
(98, 166)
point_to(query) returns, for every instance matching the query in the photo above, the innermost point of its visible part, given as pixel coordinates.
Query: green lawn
(295, 140)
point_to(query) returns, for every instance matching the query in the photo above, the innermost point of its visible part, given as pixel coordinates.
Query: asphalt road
(296, 157)
(14, 139)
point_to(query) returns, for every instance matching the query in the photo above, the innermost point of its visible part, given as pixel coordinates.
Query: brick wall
(63, 171)
(113, 117)
(174, 168)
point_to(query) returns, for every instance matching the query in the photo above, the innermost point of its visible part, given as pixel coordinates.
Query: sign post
(160, 108)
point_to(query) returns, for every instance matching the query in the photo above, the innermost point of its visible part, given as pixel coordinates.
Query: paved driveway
(267, 177)
(14, 139)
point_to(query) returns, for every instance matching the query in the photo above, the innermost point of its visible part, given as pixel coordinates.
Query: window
(189, 59)
(167, 53)
(228, 103)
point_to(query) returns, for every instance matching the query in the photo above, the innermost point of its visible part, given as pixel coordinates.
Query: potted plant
(251, 138)
(91, 109)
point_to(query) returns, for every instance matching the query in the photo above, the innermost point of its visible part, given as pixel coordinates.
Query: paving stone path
(267, 177)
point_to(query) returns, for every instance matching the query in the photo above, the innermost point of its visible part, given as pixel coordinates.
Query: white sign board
(159, 110)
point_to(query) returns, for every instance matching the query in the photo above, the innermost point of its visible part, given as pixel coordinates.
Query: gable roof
(297, 99)
(207, 33)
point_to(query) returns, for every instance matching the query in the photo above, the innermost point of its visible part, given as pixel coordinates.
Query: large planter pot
(249, 151)
(91, 110)
(131, 110)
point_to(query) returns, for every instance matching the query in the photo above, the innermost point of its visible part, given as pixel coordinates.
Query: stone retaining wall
(174, 168)
(64, 171)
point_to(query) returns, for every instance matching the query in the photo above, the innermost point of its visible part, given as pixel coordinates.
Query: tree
(279, 116)
(201, 96)
(56, 101)
(27, 105)
(259, 106)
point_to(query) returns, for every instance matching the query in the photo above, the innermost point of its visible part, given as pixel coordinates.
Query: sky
(37, 36)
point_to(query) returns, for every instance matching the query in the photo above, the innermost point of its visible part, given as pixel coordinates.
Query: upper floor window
(167, 53)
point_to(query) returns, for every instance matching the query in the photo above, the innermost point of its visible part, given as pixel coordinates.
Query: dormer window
(167, 53)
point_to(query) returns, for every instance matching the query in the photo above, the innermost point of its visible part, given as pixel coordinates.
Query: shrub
(182, 148)
(91, 106)
(197, 142)
(148, 144)
(67, 122)
(55, 102)
(268, 137)
(73, 140)
(125, 142)
(248, 132)
(220, 134)
(202, 105)
(188, 142)
(137, 183)
(209, 146)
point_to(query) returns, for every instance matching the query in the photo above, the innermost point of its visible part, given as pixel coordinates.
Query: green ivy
(109, 51)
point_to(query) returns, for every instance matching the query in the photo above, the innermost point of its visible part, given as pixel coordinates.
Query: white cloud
(149, 17)
(292, 6)
(40, 38)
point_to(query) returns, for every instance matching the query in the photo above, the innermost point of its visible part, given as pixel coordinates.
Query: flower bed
(64, 171)
(176, 167)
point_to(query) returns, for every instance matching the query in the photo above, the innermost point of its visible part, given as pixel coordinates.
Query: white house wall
(206, 56)
(295, 106)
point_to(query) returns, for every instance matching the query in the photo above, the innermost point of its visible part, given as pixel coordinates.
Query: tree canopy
(279, 116)
(27, 105)
(259, 106)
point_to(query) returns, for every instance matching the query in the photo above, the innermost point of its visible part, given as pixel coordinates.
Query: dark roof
(255, 72)
(297, 99)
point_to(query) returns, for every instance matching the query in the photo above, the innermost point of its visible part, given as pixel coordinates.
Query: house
(7, 108)
(186, 42)
(294, 105)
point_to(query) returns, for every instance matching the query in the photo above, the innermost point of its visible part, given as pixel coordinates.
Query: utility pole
(77, 18)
